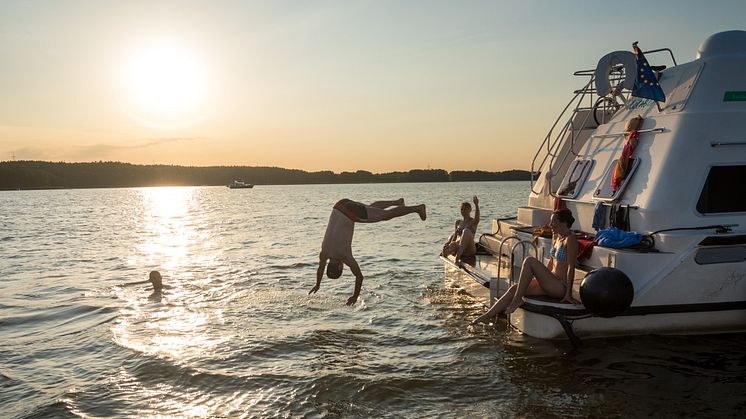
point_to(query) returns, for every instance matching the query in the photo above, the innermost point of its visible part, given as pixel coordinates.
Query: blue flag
(646, 84)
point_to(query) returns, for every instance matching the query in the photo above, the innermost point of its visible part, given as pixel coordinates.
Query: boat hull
(543, 318)
(689, 323)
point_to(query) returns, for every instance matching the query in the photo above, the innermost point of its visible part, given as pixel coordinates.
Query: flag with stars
(646, 84)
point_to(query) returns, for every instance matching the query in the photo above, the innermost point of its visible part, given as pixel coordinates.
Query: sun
(165, 85)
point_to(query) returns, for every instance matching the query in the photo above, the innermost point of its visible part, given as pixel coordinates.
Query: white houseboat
(239, 184)
(684, 191)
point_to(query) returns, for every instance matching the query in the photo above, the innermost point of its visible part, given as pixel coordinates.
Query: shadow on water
(500, 372)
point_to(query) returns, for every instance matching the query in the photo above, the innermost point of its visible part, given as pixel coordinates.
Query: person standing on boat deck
(462, 241)
(554, 280)
(336, 248)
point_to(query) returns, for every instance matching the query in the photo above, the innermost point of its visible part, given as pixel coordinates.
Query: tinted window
(605, 192)
(576, 175)
(724, 191)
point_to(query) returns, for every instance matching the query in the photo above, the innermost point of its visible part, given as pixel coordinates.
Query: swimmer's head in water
(334, 269)
(157, 280)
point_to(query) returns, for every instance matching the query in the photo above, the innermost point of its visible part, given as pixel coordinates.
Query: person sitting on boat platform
(336, 248)
(554, 280)
(462, 241)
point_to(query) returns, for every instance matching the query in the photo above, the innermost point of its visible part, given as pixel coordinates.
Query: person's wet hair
(564, 216)
(334, 270)
(466, 205)
(156, 280)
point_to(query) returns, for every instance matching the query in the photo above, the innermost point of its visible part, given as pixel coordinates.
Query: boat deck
(486, 281)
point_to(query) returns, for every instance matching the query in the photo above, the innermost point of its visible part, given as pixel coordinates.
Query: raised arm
(476, 211)
(319, 273)
(352, 263)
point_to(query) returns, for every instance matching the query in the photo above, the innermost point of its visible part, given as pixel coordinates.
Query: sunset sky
(316, 85)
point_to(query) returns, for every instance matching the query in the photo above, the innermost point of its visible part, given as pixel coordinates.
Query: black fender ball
(606, 292)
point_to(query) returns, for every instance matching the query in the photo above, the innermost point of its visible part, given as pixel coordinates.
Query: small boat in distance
(239, 184)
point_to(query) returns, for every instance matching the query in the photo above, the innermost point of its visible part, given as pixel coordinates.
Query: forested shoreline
(50, 175)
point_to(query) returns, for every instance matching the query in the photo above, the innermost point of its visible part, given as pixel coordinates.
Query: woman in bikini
(554, 280)
(461, 243)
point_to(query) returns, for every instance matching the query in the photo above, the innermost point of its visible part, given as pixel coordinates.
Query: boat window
(575, 178)
(605, 192)
(709, 256)
(724, 190)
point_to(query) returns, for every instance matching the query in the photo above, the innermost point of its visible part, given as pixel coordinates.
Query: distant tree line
(44, 175)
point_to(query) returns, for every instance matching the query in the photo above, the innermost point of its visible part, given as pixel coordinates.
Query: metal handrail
(512, 257)
(499, 264)
(724, 144)
(553, 152)
(652, 51)
(616, 134)
(500, 252)
(523, 255)
(548, 138)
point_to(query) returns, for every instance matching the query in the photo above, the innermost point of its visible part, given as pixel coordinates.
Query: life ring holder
(608, 63)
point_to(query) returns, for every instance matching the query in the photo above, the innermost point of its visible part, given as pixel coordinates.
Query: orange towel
(625, 160)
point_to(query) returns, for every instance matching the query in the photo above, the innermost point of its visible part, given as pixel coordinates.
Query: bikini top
(559, 253)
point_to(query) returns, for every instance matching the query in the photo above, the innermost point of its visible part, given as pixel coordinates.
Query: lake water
(237, 335)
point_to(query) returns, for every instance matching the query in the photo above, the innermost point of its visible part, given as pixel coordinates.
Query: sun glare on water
(165, 85)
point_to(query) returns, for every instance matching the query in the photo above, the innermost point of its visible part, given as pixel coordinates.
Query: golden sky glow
(314, 85)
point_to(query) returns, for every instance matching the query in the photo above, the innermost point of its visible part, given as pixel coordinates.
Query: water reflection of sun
(168, 226)
(173, 331)
(181, 328)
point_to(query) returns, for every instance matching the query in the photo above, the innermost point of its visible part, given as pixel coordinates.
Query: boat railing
(549, 155)
(494, 295)
(552, 142)
(522, 243)
(617, 134)
(511, 263)
(668, 50)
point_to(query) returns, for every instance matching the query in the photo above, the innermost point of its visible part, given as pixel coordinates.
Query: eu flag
(646, 84)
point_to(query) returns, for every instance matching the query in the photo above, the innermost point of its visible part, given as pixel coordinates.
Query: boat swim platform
(478, 276)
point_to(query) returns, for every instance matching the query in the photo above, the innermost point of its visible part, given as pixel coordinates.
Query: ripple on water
(237, 335)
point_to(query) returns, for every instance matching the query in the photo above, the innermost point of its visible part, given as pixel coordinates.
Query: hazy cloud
(30, 153)
(97, 151)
